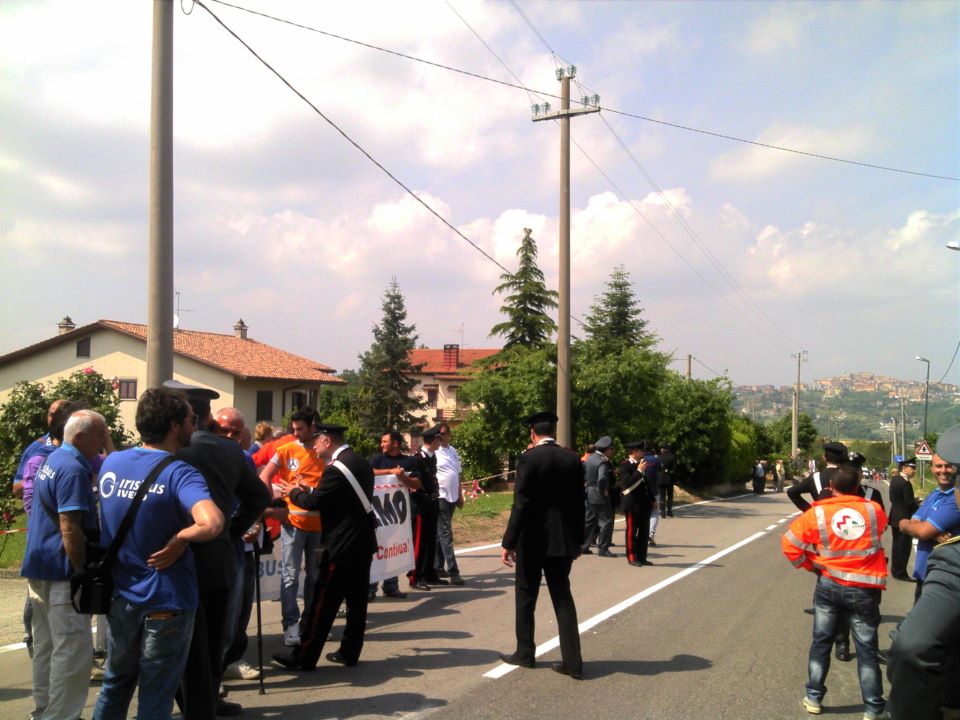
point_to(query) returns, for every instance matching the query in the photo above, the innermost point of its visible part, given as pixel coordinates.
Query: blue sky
(281, 222)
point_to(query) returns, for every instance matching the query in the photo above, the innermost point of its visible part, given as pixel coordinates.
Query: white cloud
(750, 162)
(781, 29)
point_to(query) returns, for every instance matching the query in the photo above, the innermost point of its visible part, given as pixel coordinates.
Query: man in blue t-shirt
(937, 519)
(151, 618)
(33, 448)
(64, 511)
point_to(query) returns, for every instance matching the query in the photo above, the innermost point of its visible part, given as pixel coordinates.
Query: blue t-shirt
(30, 451)
(940, 510)
(164, 512)
(62, 484)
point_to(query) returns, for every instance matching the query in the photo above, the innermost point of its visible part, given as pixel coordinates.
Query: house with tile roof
(440, 375)
(262, 381)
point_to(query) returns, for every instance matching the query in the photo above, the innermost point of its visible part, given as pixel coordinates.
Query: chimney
(451, 357)
(240, 330)
(66, 325)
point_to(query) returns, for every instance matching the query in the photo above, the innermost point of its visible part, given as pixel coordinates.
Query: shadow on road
(678, 663)
(389, 705)
(14, 693)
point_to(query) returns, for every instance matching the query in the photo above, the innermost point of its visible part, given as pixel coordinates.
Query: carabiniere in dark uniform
(424, 511)
(637, 500)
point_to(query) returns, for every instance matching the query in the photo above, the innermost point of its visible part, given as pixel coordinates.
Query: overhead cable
(544, 93)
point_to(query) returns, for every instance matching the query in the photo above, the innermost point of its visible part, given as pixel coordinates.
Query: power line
(700, 362)
(947, 371)
(353, 142)
(350, 139)
(544, 93)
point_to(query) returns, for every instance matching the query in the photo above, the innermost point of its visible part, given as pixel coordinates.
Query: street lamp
(926, 394)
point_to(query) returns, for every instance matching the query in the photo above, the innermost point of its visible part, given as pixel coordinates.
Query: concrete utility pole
(160, 252)
(689, 366)
(542, 112)
(795, 425)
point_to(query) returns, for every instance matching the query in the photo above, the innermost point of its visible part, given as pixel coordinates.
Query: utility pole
(689, 367)
(160, 251)
(542, 112)
(795, 425)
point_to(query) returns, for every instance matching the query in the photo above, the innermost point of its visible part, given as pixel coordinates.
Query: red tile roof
(241, 358)
(434, 364)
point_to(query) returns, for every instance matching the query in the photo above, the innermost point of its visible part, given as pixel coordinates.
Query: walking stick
(256, 585)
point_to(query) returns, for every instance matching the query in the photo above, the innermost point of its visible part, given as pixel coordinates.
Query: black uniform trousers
(666, 499)
(900, 547)
(530, 569)
(425, 512)
(637, 532)
(200, 687)
(338, 582)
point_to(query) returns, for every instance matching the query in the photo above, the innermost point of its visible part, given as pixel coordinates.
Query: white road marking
(502, 669)
(768, 528)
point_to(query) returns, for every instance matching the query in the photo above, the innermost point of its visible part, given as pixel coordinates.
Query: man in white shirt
(449, 477)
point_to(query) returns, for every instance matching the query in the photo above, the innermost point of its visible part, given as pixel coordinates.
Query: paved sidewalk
(12, 592)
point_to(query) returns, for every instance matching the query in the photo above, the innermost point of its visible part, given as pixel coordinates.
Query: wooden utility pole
(795, 424)
(160, 252)
(564, 434)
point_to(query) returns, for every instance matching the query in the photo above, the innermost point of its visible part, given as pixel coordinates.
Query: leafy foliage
(781, 431)
(527, 323)
(385, 396)
(614, 321)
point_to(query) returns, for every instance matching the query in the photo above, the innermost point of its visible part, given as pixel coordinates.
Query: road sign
(923, 451)
(898, 458)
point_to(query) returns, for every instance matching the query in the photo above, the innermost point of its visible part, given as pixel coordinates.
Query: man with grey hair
(64, 512)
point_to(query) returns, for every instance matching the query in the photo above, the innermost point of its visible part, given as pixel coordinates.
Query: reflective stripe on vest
(871, 580)
(797, 543)
(822, 527)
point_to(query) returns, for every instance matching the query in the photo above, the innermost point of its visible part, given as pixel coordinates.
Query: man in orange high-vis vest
(838, 538)
(297, 462)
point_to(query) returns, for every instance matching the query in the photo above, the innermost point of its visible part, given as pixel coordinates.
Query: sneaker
(248, 671)
(867, 715)
(291, 636)
(812, 706)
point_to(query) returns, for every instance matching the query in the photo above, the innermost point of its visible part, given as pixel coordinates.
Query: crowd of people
(838, 536)
(214, 496)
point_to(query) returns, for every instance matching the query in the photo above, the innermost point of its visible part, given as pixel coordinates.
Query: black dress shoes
(288, 660)
(606, 553)
(842, 653)
(562, 669)
(646, 562)
(336, 657)
(395, 594)
(225, 708)
(588, 551)
(434, 580)
(515, 659)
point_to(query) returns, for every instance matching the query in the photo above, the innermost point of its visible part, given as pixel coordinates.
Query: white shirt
(448, 473)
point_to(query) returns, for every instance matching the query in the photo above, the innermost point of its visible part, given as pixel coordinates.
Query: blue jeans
(445, 537)
(147, 650)
(862, 606)
(297, 546)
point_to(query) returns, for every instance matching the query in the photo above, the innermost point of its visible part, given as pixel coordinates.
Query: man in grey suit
(599, 514)
(544, 536)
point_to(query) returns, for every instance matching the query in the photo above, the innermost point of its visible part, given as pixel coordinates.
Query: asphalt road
(719, 627)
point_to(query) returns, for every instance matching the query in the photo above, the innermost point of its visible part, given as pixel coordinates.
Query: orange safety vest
(840, 537)
(302, 465)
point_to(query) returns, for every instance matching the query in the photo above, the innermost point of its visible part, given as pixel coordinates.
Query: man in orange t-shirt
(297, 462)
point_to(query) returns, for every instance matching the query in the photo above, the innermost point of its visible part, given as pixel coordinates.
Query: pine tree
(386, 384)
(529, 300)
(614, 320)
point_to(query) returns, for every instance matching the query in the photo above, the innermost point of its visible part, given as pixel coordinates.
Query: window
(128, 389)
(298, 399)
(265, 405)
(432, 394)
(83, 348)
(312, 399)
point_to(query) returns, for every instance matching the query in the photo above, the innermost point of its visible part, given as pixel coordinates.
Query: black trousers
(200, 686)
(637, 533)
(425, 513)
(530, 570)
(666, 499)
(900, 547)
(338, 582)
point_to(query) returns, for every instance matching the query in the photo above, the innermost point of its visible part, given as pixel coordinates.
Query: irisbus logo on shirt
(125, 488)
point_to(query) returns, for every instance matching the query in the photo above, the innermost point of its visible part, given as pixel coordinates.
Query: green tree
(781, 434)
(385, 397)
(340, 404)
(614, 320)
(528, 301)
